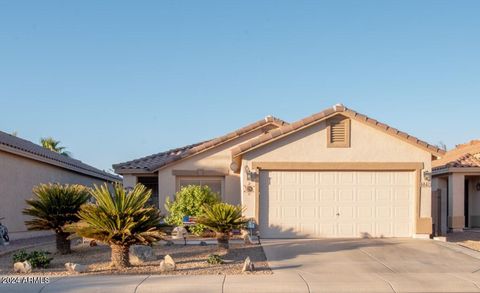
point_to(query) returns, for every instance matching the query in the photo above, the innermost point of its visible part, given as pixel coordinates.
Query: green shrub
(53, 207)
(38, 259)
(190, 201)
(20, 256)
(214, 259)
(222, 218)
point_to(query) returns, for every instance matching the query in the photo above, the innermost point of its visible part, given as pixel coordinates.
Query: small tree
(53, 207)
(54, 145)
(120, 219)
(222, 218)
(190, 201)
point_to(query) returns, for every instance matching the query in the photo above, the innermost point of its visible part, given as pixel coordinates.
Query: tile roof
(337, 109)
(154, 162)
(462, 156)
(25, 148)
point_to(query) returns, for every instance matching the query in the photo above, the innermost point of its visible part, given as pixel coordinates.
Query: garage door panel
(384, 178)
(308, 213)
(327, 195)
(336, 204)
(327, 213)
(403, 179)
(308, 194)
(326, 178)
(365, 194)
(383, 194)
(402, 212)
(366, 213)
(308, 178)
(346, 194)
(365, 178)
(346, 178)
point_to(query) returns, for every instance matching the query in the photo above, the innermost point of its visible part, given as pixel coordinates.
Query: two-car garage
(337, 174)
(298, 204)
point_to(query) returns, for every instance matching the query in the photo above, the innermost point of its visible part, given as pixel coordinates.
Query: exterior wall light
(427, 175)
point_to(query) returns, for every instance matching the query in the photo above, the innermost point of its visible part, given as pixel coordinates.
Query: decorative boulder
(93, 243)
(141, 253)
(22, 267)
(167, 264)
(203, 243)
(248, 265)
(75, 267)
(169, 243)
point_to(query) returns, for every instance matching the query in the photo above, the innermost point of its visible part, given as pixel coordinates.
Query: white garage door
(295, 204)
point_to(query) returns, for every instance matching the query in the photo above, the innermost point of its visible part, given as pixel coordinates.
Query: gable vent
(338, 133)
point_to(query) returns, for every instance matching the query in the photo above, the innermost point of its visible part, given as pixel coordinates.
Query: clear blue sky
(116, 80)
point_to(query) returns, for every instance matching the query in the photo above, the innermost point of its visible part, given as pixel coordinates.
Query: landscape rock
(93, 243)
(75, 267)
(248, 265)
(22, 267)
(246, 238)
(169, 243)
(167, 264)
(203, 243)
(141, 253)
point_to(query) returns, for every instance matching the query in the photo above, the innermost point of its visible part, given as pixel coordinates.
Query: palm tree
(53, 207)
(222, 218)
(54, 145)
(120, 218)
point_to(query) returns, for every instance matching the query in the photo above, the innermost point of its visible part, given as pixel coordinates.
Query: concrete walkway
(393, 265)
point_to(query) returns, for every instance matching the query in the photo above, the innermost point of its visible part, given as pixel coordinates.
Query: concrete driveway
(375, 265)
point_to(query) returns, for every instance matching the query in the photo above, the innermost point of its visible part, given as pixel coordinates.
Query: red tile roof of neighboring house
(462, 156)
(337, 109)
(25, 148)
(154, 162)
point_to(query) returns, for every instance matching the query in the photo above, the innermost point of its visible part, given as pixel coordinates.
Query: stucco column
(456, 199)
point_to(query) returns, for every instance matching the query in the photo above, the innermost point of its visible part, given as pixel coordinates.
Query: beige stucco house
(337, 173)
(24, 165)
(456, 189)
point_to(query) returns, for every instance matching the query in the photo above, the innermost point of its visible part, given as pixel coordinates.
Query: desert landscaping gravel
(190, 260)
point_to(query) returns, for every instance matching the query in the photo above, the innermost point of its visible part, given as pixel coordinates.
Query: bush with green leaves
(214, 259)
(38, 259)
(53, 207)
(222, 218)
(190, 201)
(119, 218)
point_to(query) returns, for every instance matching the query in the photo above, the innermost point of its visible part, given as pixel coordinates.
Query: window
(215, 184)
(338, 133)
(152, 184)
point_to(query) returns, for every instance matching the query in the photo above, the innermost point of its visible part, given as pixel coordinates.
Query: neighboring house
(24, 165)
(337, 173)
(456, 189)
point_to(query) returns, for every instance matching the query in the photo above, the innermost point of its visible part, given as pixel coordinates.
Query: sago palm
(55, 206)
(120, 219)
(222, 218)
